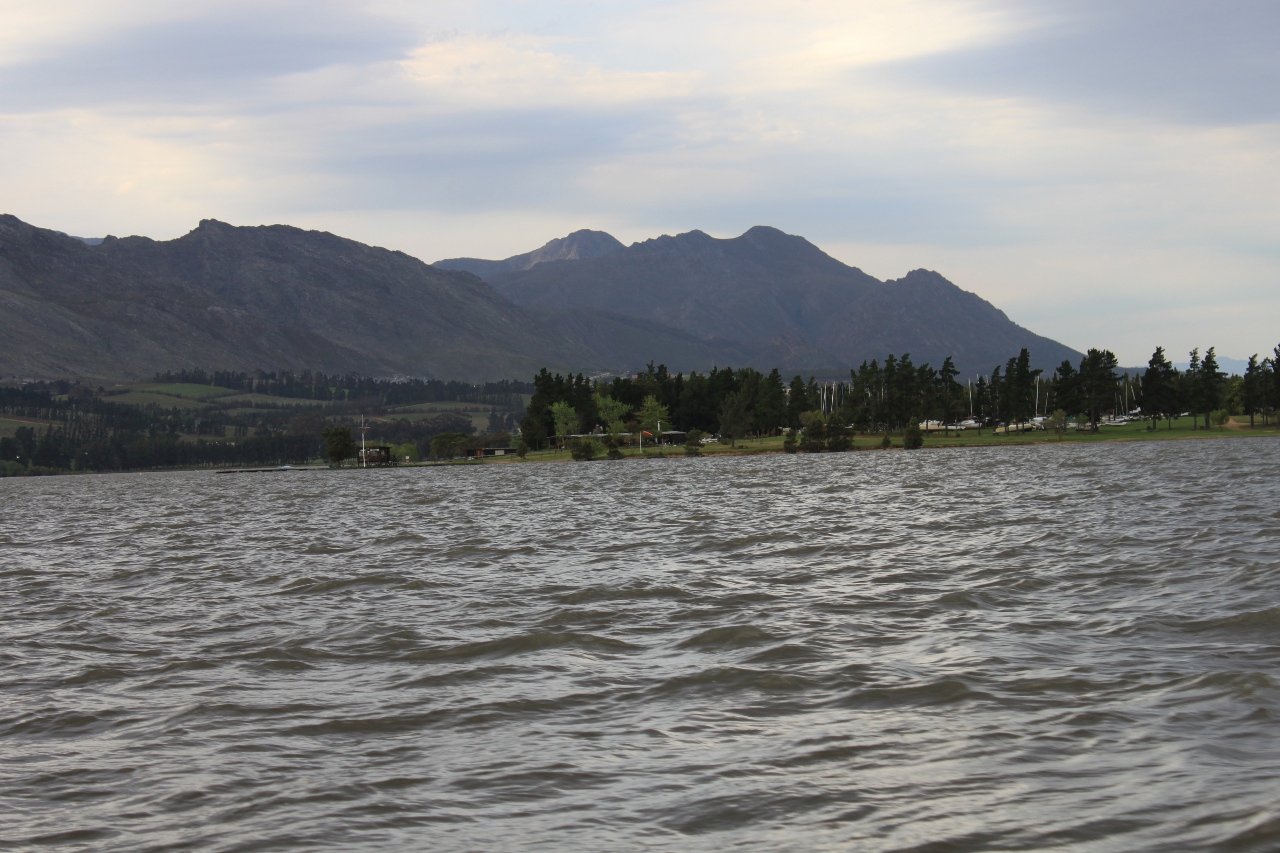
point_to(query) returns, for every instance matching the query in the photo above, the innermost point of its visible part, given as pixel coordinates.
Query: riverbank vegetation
(219, 419)
(222, 418)
(897, 398)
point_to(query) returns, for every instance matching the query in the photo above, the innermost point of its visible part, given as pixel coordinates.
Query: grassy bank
(1181, 428)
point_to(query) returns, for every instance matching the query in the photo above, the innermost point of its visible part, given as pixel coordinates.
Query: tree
(584, 449)
(338, 444)
(1254, 392)
(565, 418)
(613, 413)
(522, 449)
(445, 445)
(981, 402)
(1057, 422)
(1097, 383)
(771, 403)
(814, 437)
(1159, 388)
(693, 443)
(1209, 385)
(1221, 417)
(838, 438)
(1066, 388)
(1274, 402)
(652, 415)
(913, 437)
(798, 401)
(735, 419)
(949, 393)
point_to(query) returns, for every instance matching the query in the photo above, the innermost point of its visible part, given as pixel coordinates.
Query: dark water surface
(1053, 648)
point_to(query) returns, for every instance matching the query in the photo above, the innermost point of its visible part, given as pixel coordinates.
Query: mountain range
(276, 297)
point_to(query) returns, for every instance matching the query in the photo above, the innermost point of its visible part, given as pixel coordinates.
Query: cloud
(1172, 59)
(213, 53)
(1077, 163)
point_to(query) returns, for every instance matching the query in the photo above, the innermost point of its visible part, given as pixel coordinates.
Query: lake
(1040, 648)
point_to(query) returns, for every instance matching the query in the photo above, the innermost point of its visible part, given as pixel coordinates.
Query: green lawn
(1182, 429)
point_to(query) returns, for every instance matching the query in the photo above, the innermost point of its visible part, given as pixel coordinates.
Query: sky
(1107, 173)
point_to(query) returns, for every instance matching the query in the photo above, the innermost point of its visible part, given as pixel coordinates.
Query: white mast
(364, 453)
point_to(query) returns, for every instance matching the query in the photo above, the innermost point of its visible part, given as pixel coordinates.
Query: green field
(10, 427)
(247, 399)
(448, 406)
(1182, 429)
(479, 419)
(186, 389)
(149, 398)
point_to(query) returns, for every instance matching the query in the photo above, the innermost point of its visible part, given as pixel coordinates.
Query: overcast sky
(1108, 173)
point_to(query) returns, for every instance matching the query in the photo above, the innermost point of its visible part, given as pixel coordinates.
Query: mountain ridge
(766, 285)
(578, 245)
(275, 296)
(247, 297)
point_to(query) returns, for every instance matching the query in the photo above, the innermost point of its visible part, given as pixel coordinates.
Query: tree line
(893, 395)
(82, 431)
(316, 385)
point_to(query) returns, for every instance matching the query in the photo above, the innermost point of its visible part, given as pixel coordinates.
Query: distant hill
(577, 246)
(773, 294)
(279, 297)
(243, 298)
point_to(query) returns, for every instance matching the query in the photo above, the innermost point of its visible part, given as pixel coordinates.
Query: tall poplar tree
(1159, 389)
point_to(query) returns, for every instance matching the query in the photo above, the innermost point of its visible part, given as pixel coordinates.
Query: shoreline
(760, 447)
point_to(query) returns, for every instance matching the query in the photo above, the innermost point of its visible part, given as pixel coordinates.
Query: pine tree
(1097, 383)
(1066, 389)
(771, 403)
(1209, 385)
(735, 420)
(1159, 388)
(797, 402)
(1253, 389)
(949, 392)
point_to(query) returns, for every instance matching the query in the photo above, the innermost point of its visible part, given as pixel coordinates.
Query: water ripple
(1068, 648)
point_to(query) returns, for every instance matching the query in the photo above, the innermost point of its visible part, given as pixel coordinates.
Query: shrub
(693, 443)
(585, 449)
(912, 437)
(838, 438)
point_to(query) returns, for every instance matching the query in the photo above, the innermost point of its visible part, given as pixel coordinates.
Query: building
(375, 456)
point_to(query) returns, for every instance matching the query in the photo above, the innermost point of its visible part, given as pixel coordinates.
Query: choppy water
(1046, 648)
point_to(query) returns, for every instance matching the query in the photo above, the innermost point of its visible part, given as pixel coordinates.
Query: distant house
(375, 455)
(481, 452)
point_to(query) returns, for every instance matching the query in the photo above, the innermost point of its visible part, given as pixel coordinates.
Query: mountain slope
(271, 296)
(576, 246)
(767, 290)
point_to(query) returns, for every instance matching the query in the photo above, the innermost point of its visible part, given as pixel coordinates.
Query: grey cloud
(1195, 62)
(221, 54)
(475, 160)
